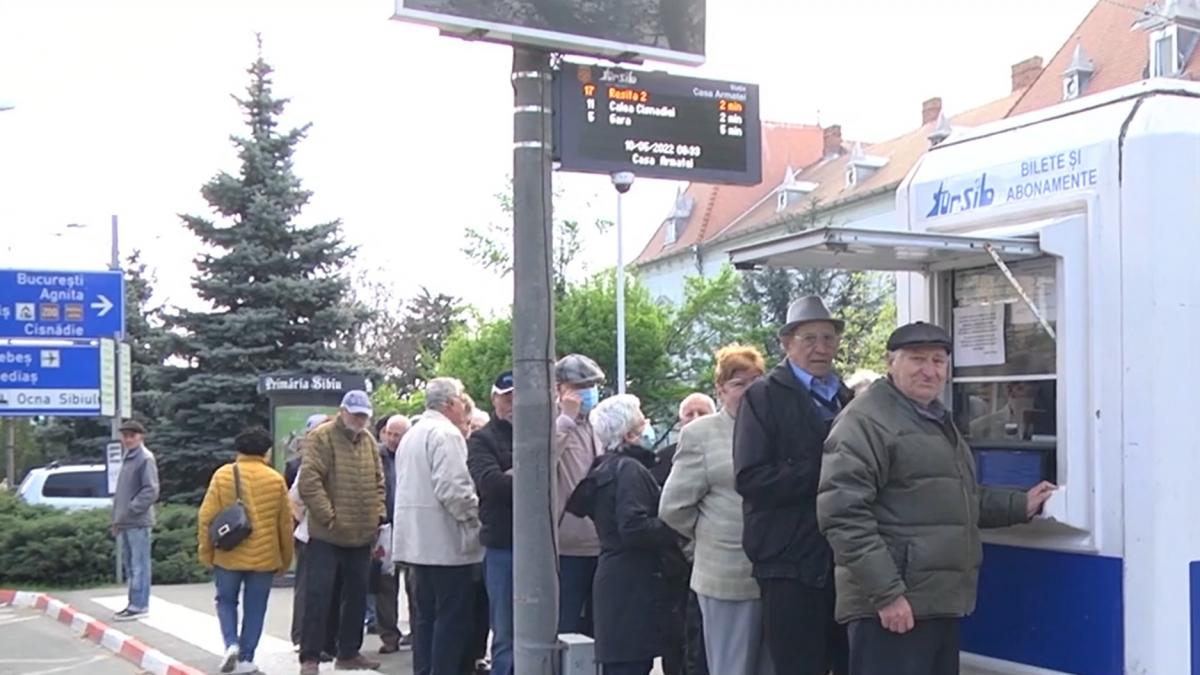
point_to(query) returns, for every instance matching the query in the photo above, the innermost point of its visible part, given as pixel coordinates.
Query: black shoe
(372, 629)
(128, 614)
(326, 657)
(406, 642)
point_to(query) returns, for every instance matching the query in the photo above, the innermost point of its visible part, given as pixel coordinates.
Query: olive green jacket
(901, 508)
(341, 484)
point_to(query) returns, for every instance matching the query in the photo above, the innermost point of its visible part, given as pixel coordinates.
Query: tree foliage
(404, 339)
(279, 298)
(490, 247)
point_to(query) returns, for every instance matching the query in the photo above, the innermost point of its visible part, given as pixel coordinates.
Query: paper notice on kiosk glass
(979, 335)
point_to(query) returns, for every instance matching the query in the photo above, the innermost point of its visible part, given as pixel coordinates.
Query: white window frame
(1157, 69)
(671, 235)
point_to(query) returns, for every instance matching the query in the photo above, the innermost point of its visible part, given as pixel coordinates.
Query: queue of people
(795, 526)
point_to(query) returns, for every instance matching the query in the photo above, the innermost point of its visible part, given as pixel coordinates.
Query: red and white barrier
(127, 647)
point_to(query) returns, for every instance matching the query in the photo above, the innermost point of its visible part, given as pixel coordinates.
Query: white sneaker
(245, 668)
(231, 659)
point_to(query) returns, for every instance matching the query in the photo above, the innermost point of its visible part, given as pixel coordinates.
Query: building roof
(829, 174)
(1119, 52)
(716, 206)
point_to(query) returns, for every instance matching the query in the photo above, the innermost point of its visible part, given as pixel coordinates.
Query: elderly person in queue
(342, 486)
(577, 383)
(902, 511)
(778, 438)
(700, 501)
(691, 408)
(436, 530)
(638, 552)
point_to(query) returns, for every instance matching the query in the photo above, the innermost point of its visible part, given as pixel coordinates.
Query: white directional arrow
(103, 304)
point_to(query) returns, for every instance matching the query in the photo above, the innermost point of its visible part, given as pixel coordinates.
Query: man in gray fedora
(781, 428)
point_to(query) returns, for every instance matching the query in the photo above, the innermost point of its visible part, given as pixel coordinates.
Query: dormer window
(1078, 74)
(1164, 54)
(862, 166)
(792, 191)
(678, 217)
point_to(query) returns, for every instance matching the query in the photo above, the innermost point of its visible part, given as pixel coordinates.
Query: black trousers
(481, 621)
(802, 635)
(442, 627)
(299, 600)
(697, 662)
(930, 648)
(325, 563)
(628, 668)
(687, 657)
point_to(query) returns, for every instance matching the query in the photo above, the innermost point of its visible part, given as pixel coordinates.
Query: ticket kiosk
(1062, 250)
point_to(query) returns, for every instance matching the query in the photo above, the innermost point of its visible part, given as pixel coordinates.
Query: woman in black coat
(640, 557)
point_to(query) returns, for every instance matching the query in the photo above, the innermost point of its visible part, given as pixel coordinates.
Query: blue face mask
(588, 398)
(648, 437)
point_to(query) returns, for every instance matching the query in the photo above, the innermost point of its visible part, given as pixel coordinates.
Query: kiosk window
(1004, 387)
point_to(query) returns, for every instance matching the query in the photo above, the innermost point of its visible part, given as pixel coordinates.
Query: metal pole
(114, 264)
(622, 181)
(10, 452)
(620, 294)
(535, 563)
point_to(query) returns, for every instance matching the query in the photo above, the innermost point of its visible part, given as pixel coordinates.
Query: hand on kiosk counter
(1037, 497)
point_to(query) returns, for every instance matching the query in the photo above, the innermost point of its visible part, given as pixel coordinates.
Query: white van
(72, 487)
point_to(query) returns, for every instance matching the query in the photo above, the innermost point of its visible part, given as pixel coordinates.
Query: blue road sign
(51, 379)
(72, 305)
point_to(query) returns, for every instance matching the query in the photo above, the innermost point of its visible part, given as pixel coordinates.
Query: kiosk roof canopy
(880, 250)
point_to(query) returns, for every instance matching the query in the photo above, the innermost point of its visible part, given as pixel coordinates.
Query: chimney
(833, 140)
(930, 110)
(1025, 72)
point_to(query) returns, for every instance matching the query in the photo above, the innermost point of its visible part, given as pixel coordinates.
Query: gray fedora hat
(807, 309)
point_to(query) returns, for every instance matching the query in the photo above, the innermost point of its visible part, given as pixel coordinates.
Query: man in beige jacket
(575, 448)
(436, 529)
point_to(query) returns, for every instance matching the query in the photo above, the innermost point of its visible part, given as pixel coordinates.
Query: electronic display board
(656, 125)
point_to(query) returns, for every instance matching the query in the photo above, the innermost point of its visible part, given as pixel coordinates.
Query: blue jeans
(255, 588)
(135, 554)
(498, 575)
(575, 574)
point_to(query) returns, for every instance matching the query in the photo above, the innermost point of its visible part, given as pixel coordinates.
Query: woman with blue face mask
(640, 557)
(578, 380)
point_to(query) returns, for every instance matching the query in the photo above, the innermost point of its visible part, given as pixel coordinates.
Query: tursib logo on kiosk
(973, 197)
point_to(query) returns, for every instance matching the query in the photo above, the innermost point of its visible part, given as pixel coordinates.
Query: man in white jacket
(436, 529)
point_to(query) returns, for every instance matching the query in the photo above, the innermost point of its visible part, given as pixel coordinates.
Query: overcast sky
(123, 107)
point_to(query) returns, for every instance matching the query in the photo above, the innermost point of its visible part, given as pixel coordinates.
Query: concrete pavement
(32, 643)
(183, 624)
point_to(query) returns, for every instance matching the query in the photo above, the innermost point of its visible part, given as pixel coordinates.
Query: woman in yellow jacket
(249, 568)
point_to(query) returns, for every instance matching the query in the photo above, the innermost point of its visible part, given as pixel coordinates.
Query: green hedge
(69, 549)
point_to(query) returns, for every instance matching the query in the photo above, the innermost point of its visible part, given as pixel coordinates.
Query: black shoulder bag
(232, 524)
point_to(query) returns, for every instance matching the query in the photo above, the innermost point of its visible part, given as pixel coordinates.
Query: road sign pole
(535, 578)
(622, 180)
(10, 452)
(115, 423)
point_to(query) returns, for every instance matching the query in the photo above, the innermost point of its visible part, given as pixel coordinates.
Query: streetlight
(114, 262)
(622, 181)
(7, 105)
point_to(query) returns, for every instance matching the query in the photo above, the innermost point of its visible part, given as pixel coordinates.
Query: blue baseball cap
(314, 421)
(503, 383)
(356, 402)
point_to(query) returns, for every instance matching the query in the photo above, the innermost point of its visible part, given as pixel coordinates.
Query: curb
(127, 647)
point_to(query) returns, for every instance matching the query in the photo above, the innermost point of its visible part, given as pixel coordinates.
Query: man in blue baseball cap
(345, 510)
(489, 458)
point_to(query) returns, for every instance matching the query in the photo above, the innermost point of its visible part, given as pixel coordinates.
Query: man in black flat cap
(781, 427)
(133, 516)
(901, 508)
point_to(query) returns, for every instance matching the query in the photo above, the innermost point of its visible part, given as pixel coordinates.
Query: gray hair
(698, 396)
(480, 417)
(614, 418)
(440, 391)
(397, 421)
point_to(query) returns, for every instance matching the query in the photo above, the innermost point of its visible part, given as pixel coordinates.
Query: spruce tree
(280, 301)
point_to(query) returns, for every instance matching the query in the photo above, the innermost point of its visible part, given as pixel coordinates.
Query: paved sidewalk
(183, 624)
